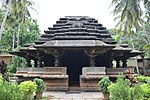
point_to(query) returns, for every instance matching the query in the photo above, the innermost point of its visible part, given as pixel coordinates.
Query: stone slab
(73, 96)
(93, 70)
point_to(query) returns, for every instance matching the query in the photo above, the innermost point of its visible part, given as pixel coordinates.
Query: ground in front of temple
(73, 95)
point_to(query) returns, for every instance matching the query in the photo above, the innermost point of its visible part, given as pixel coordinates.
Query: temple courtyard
(73, 96)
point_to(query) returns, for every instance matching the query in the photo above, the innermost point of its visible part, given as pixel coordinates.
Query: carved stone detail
(56, 53)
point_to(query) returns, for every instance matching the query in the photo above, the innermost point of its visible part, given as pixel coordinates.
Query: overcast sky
(49, 11)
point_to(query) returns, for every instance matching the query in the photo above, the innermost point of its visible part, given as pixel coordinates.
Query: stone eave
(127, 54)
(74, 44)
(119, 48)
(28, 49)
(134, 53)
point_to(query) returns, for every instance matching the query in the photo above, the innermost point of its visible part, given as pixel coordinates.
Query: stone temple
(77, 51)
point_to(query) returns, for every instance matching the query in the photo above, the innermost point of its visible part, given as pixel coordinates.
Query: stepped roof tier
(77, 28)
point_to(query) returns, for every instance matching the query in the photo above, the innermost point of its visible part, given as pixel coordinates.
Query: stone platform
(55, 78)
(73, 96)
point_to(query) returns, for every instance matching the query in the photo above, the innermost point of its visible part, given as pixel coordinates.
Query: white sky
(49, 11)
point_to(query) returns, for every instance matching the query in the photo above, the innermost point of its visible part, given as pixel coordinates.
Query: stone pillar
(57, 53)
(124, 63)
(56, 63)
(144, 69)
(38, 60)
(92, 54)
(92, 61)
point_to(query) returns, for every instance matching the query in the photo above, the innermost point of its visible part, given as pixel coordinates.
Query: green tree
(120, 90)
(133, 27)
(129, 13)
(139, 40)
(7, 4)
(21, 11)
(18, 10)
(28, 35)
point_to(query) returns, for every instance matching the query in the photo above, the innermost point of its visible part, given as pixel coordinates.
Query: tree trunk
(13, 45)
(39, 95)
(144, 69)
(137, 68)
(4, 19)
(18, 33)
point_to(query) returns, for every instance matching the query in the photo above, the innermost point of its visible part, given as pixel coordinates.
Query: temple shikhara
(77, 51)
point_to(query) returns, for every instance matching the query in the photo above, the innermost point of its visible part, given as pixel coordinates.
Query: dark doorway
(74, 61)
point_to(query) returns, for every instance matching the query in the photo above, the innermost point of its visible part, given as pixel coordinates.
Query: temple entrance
(74, 61)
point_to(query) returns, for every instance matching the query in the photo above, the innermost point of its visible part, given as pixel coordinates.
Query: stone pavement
(73, 96)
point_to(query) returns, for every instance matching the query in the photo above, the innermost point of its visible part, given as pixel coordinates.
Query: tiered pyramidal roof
(80, 33)
(76, 28)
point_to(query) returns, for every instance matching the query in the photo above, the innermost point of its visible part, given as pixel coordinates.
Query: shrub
(10, 91)
(40, 85)
(28, 88)
(104, 83)
(143, 79)
(146, 89)
(17, 62)
(137, 92)
(120, 90)
(12, 69)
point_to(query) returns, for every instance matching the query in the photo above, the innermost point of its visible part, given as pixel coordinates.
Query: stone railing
(90, 78)
(114, 72)
(55, 78)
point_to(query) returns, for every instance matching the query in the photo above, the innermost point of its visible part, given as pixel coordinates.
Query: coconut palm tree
(21, 12)
(18, 10)
(147, 10)
(129, 14)
(7, 3)
(140, 40)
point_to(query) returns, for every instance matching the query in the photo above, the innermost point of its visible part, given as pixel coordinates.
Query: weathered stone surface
(53, 76)
(118, 71)
(90, 78)
(76, 25)
(62, 70)
(93, 70)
